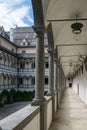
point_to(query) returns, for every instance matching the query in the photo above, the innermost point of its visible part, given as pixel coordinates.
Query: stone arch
(38, 12)
(50, 36)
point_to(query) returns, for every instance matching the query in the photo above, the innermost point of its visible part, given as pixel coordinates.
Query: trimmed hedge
(8, 97)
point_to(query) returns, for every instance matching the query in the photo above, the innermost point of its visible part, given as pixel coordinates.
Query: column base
(50, 94)
(37, 101)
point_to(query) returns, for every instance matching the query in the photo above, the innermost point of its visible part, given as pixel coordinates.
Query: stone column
(51, 73)
(51, 81)
(58, 86)
(56, 80)
(39, 70)
(39, 77)
(55, 75)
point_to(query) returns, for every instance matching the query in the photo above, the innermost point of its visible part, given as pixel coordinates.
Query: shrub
(1, 101)
(4, 96)
(12, 94)
(18, 96)
(15, 96)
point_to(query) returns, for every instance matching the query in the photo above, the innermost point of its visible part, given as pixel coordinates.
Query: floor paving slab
(72, 114)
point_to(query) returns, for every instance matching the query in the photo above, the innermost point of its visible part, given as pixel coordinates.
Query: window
(70, 84)
(20, 80)
(23, 43)
(33, 80)
(22, 65)
(23, 51)
(46, 81)
(33, 65)
(12, 49)
(46, 65)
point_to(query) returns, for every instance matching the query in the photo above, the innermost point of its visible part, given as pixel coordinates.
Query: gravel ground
(9, 109)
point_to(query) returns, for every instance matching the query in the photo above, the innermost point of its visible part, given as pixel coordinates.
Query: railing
(28, 118)
(7, 69)
(8, 86)
(31, 86)
(20, 86)
(13, 70)
(27, 70)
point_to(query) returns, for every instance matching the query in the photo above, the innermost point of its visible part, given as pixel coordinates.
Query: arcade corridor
(64, 22)
(72, 114)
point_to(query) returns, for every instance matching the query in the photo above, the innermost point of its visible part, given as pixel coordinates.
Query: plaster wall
(27, 118)
(49, 112)
(29, 50)
(7, 45)
(34, 124)
(80, 85)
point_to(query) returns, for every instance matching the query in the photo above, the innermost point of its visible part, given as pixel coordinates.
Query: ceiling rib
(64, 20)
(71, 45)
(68, 62)
(71, 55)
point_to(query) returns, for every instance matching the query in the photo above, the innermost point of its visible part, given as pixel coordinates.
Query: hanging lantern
(76, 28)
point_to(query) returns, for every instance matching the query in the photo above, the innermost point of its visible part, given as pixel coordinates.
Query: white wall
(49, 111)
(34, 124)
(80, 85)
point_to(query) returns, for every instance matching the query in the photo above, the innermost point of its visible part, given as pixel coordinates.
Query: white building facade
(17, 59)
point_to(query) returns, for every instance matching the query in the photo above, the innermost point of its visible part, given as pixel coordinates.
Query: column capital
(39, 29)
(51, 51)
(55, 60)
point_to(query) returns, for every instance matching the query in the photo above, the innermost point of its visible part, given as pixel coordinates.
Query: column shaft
(55, 76)
(51, 81)
(51, 75)
(39, 78)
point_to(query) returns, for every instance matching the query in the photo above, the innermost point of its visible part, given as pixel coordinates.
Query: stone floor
(9, 109)
(72, 114)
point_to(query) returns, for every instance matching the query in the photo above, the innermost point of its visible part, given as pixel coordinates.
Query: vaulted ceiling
(61, 14)
(69, 45)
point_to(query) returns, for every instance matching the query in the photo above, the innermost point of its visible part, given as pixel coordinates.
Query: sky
(15, 13)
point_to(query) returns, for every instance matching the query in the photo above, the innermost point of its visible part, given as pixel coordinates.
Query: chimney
(11, 34)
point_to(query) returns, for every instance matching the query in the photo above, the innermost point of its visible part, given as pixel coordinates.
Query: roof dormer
(25, 42)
